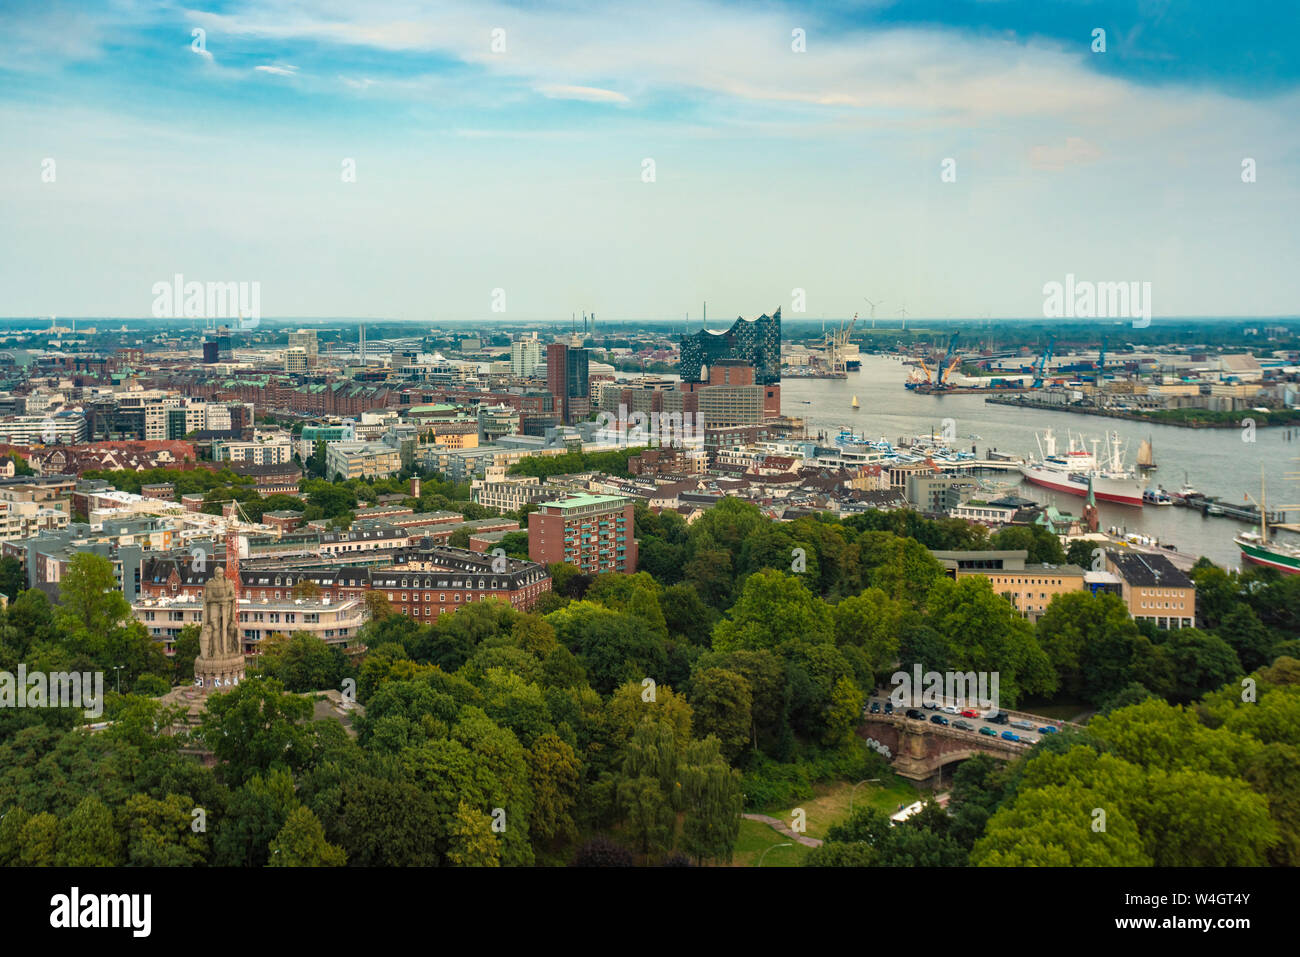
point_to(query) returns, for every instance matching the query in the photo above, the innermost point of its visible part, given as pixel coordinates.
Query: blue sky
(521, 169)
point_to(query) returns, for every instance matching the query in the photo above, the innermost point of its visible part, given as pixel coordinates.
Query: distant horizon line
(801, 318)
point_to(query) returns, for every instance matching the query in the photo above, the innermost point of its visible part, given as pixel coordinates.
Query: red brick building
(422, 584)
(593, 532)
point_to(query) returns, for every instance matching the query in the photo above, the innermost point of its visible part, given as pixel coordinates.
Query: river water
(1215, 461)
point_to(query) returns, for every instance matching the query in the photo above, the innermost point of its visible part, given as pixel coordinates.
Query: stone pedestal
(218, 673)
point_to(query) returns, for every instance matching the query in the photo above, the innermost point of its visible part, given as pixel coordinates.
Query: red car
(969, 713)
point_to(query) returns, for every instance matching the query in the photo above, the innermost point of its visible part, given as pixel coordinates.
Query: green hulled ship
(1259, 549)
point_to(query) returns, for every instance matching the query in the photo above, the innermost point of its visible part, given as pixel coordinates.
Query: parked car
(1010, 736)
(889, 707)
(997, 717)
(1028, 740)
(963, 725)
(915, 715)
(949, 709)
(938, 719)
(989, 731)
(875, 707)
(970, 713)
(1023, 725)
(929, 706)
(1047, 729)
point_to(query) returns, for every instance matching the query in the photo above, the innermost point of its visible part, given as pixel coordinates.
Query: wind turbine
(903, 312)
(873, 309)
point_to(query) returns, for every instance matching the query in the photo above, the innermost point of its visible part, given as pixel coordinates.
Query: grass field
(830, 803)
(755, 838)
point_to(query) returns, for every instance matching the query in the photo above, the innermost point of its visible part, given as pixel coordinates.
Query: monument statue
(221, 659)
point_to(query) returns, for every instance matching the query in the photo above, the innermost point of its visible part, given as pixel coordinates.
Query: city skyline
(520, 167)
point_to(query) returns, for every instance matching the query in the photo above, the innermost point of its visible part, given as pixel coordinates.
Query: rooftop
(586, 501)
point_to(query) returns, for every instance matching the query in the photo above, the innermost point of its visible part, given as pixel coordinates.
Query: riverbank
(1215, 461)
(1261, 419)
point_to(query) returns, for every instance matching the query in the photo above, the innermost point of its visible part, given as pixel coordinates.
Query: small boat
(854, 403)
(1156, 496)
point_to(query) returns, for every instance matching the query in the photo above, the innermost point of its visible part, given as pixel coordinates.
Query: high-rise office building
(525, 355)
(567, 379)
(305, 339)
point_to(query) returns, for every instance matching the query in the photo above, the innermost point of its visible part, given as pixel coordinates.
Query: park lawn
(830, 802)
(755, 838)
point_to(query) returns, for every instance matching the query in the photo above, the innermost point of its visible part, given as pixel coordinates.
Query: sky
(487, 160)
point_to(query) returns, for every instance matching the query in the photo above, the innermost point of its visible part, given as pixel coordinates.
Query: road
(1028, 738)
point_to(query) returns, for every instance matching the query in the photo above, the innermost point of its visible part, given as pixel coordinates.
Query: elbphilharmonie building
(755, 341)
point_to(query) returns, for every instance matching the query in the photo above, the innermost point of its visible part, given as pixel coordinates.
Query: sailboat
(1146, 457)
(1259, 548)
(854, 403)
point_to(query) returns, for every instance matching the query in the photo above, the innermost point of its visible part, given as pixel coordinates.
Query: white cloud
(1076, 151)
(278, 70)
(590, 94)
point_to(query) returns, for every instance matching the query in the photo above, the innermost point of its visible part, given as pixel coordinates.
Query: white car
(949, 709)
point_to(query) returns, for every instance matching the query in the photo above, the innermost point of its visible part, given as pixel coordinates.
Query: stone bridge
(920, 749)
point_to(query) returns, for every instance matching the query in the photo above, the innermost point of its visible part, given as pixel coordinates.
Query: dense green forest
(628, 719)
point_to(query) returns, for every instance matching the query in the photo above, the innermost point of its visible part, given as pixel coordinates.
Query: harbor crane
(1041, 369)
(950, 361)
(836, 340)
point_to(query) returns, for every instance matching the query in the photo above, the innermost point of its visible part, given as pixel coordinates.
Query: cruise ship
(1069, 472)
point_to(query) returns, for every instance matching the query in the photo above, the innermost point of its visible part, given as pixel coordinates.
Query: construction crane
(836, 340)
(950, 361)
(1041, 367)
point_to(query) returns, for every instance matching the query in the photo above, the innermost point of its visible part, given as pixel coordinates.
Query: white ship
(1069, 472)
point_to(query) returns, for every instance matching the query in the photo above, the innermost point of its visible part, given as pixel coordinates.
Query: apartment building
(295, 360)
(362, 460)
(460, 434)
(435, 580)
(335, 623)
(1154, 589)
(525, 356)
(311, 434)
(304, 342)
(19, 520)
(728, 406)
(593, 532)
(274, 452)
(1029, 587)
(61, 428)
(984, 513)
